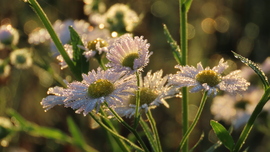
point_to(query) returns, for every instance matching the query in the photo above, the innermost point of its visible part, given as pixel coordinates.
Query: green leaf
(75, 132)
(175, 47)
(149, 134)
(188, 4)
(254, 67)
(36, 130)
(222, 134)
(79, 59)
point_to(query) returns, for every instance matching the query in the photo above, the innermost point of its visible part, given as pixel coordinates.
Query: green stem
(249, 125)
(114, 133)
(138, 94)
(154, 128)
(184, 49)
(108, 123)
(43, 17)
(195, 121)
(132, 130)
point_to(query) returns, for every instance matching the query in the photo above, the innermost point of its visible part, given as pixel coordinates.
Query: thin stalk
(114, 133)
(131, 129)
(195, 121)
(249, 125)
(138, 94)
(184, 49)
(108, 123)
(43, 17)
(154, 128)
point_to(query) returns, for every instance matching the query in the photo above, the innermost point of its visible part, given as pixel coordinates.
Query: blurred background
(216, 27)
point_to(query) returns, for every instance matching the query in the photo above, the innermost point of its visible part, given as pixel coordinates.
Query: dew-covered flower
(8, 35)
(121, 18)
(62, 62)
(93, 6)
(4, 69)
(62, 30)
(95, 42)
(21, 58)
(153, 92)
(96, 87)
(236, 110)
(210, 80)
(129, 54)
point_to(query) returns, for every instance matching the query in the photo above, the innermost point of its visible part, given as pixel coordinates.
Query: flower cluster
(126, 57)
(11, 55)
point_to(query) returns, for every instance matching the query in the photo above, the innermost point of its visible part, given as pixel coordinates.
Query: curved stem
(192, 126)
(249, 125)
(154, 128)
(38, 10)
(132, 130)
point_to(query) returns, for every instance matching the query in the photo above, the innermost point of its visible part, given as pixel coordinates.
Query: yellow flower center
(100, 88)
(146, 97)
(92, 44)
(210, 77)
(129, 60)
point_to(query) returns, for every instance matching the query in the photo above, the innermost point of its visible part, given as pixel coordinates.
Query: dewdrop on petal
(21, 58)
(154, 90)
(96, 87)
(128, 54)
(210, 80)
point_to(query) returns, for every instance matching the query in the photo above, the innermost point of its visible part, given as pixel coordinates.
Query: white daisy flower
(153, 92)
(62, 30)
(210, 80)
(21, 58)
(95, 42)
(96, 88)
(128, 54)
(236, 110)
(62, 62)
(8, 35)
(121, 18)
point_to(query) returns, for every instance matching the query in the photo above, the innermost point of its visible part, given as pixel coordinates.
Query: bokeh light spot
(191, 31)
(221, 24)
(159, 9)
(208, 25)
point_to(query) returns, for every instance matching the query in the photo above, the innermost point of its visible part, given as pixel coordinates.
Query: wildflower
(153, 92)
(4, 69)
(8, 35)
(121, 18)
(93, 6)
(96, 88)
(62, 62)
(236, 110)
(95, 42)
(62, 30)
(208, 79)
(21, 58)
(128, 54)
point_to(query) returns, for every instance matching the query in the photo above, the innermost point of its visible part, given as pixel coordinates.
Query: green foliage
(222, 134)
(254, 67)
(175, 47)
(79, 59)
